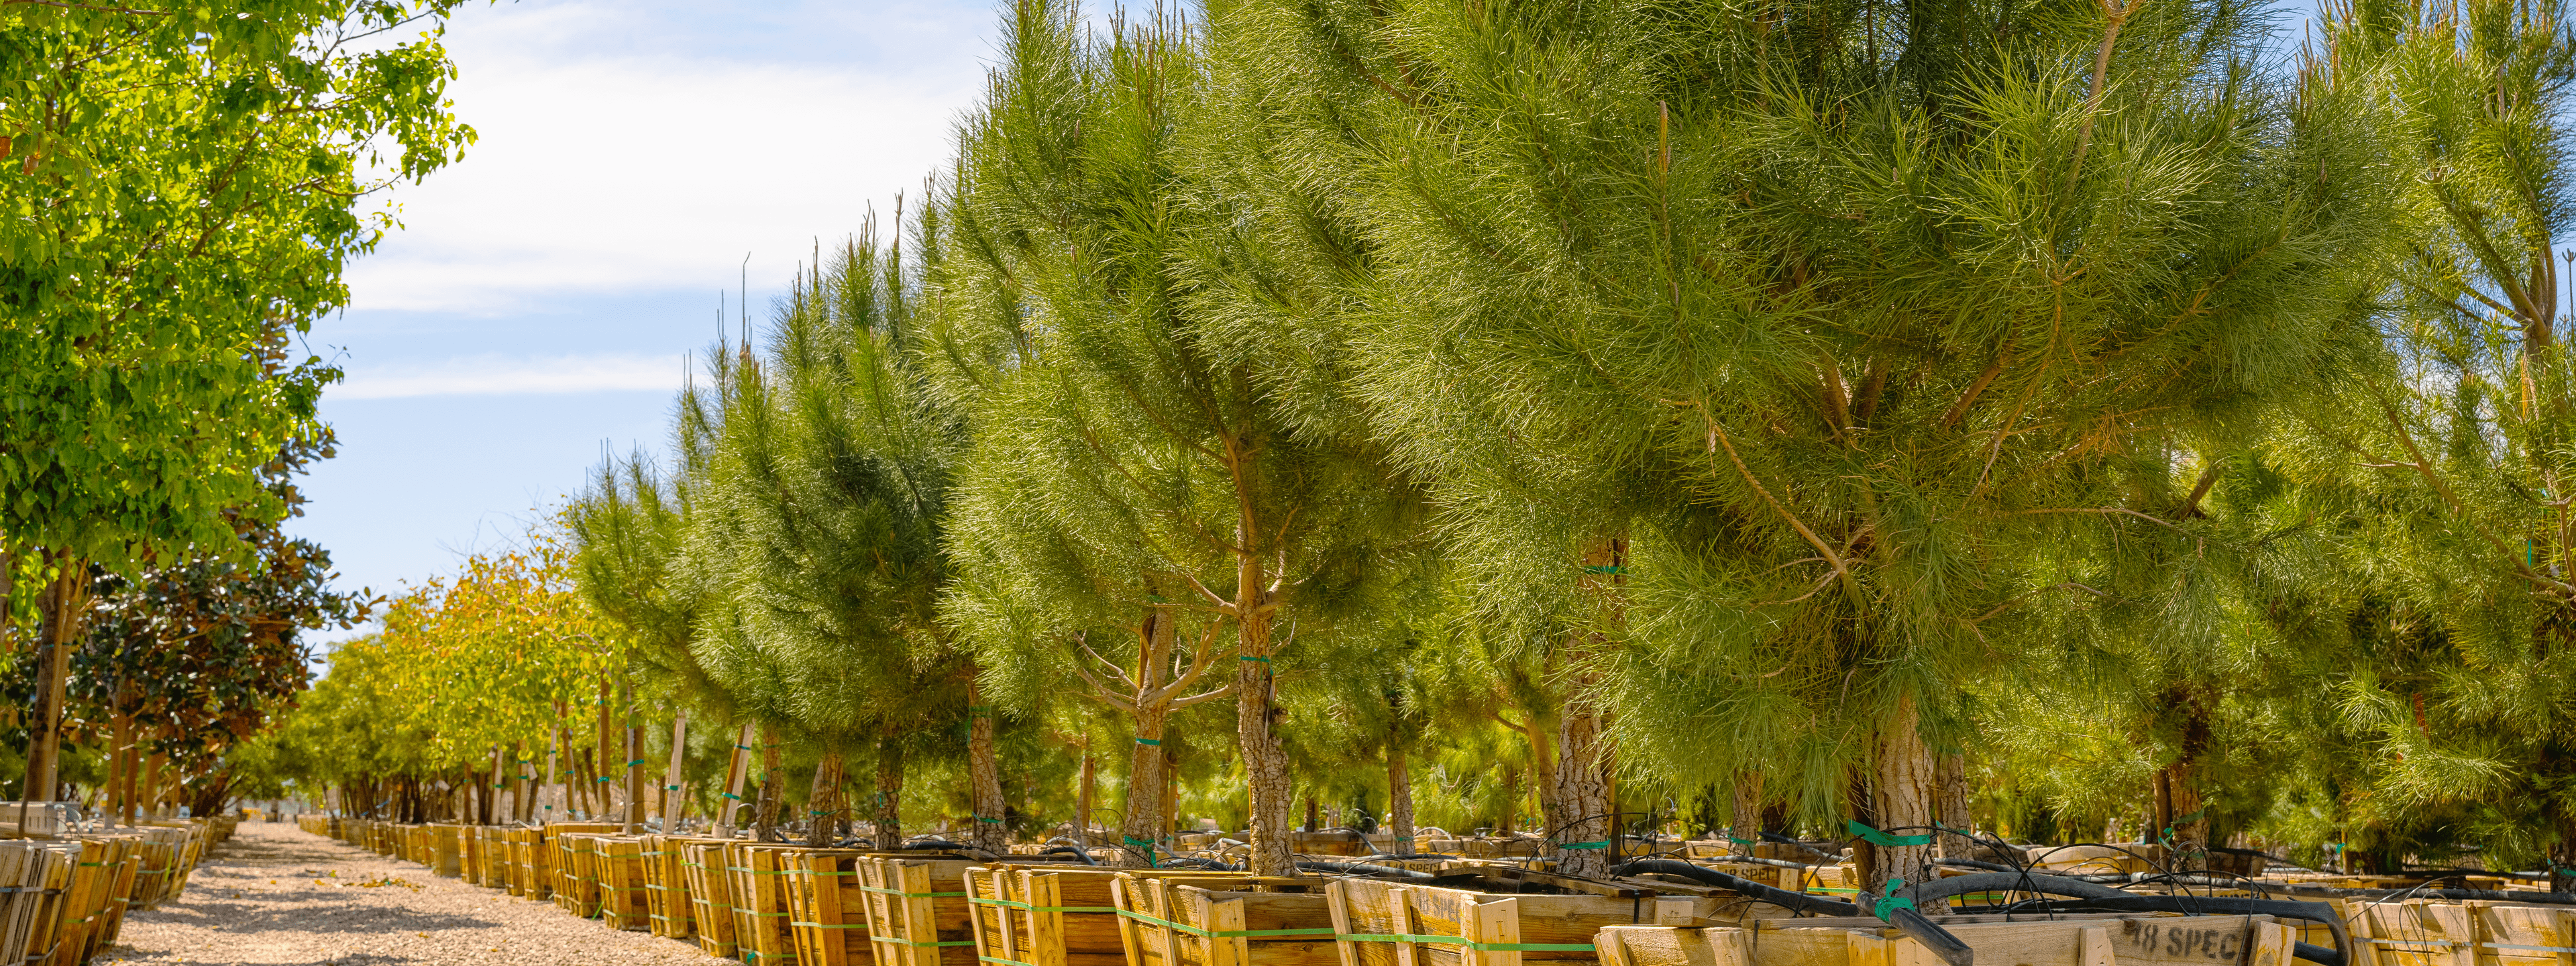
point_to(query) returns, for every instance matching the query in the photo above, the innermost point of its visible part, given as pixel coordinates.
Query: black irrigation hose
(1083, 854)
(1364, 869)
(1708, 876)
(2106, 899)
(930, 844)
(1194, 862)
(1785, 840)
(2499, 895)
(2177, 878)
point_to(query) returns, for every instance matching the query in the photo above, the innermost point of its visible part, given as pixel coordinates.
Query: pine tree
(2444, 469)
(1758, 349)
(1149, 462)
(818, 529)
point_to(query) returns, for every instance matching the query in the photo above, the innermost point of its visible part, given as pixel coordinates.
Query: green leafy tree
(179, 191)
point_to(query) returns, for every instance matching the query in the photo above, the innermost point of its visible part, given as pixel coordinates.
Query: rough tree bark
(61, 605)
(1141, 824)
(1900, 797)
(1399, 799)
(1585, 755)
(889, 794)
(1082, 796)
(2181, 820)
(1148, 694)
(820, 808)
(1950, 789)
(1744, 828)
(634, 764)
(984, 768)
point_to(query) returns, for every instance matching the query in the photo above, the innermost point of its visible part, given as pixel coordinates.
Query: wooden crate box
(2434, 932)
(617, 866)
(756, 883)
(529, 872)
(666, 887)
(827, 911)
(447, 850)
(1052, 915)
(702, 862)
(576, 882)
(2083, 940)
(1369, 914)
(1166, 924)
(917, 911)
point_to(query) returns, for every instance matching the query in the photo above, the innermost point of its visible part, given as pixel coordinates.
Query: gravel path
(277, 896)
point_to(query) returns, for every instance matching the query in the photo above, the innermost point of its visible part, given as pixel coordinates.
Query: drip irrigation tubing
(1365, 869)
(1707, 876)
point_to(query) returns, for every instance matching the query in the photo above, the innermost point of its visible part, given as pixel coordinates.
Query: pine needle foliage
(816, 524)
(1836, 311)
(1127, 460)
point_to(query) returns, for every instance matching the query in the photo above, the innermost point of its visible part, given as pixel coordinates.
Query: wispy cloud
(505, 375)
(601, 167)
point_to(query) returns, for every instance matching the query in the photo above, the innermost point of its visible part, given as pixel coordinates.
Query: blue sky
(540, 297)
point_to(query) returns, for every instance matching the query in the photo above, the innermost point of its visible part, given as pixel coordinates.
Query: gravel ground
(276, 896)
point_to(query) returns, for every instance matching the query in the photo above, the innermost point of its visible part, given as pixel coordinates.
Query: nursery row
(1689, 905)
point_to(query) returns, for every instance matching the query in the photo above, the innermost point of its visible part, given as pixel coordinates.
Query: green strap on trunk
(1876, 837)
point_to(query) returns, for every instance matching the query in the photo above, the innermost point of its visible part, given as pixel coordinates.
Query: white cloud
(649, 169)
(503, 375)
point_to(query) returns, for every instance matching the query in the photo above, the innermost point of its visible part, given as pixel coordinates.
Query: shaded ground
(276, 896)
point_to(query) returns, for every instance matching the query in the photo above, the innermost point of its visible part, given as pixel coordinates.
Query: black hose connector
(1708, 876)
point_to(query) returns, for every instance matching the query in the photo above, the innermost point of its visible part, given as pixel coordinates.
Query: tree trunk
(1265, 763)
(820, 809)
(1171, 790)
(128, 755)
(737, 768)
(765, 815)
(492, 800)
(1314, 814)
(528, 788)
(1399, 800)
(606, 778)
(554, 776)
(1900, 798)
(60, 625)
(1586, 837)
(634, 763)
(671, 777)
(1141, 827)
(1583, 767)
(1950, 788)
(1542, 741)
(1083, 795)
(984, 769)
(2182, 821)
(889, 821)
(1744, 826)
